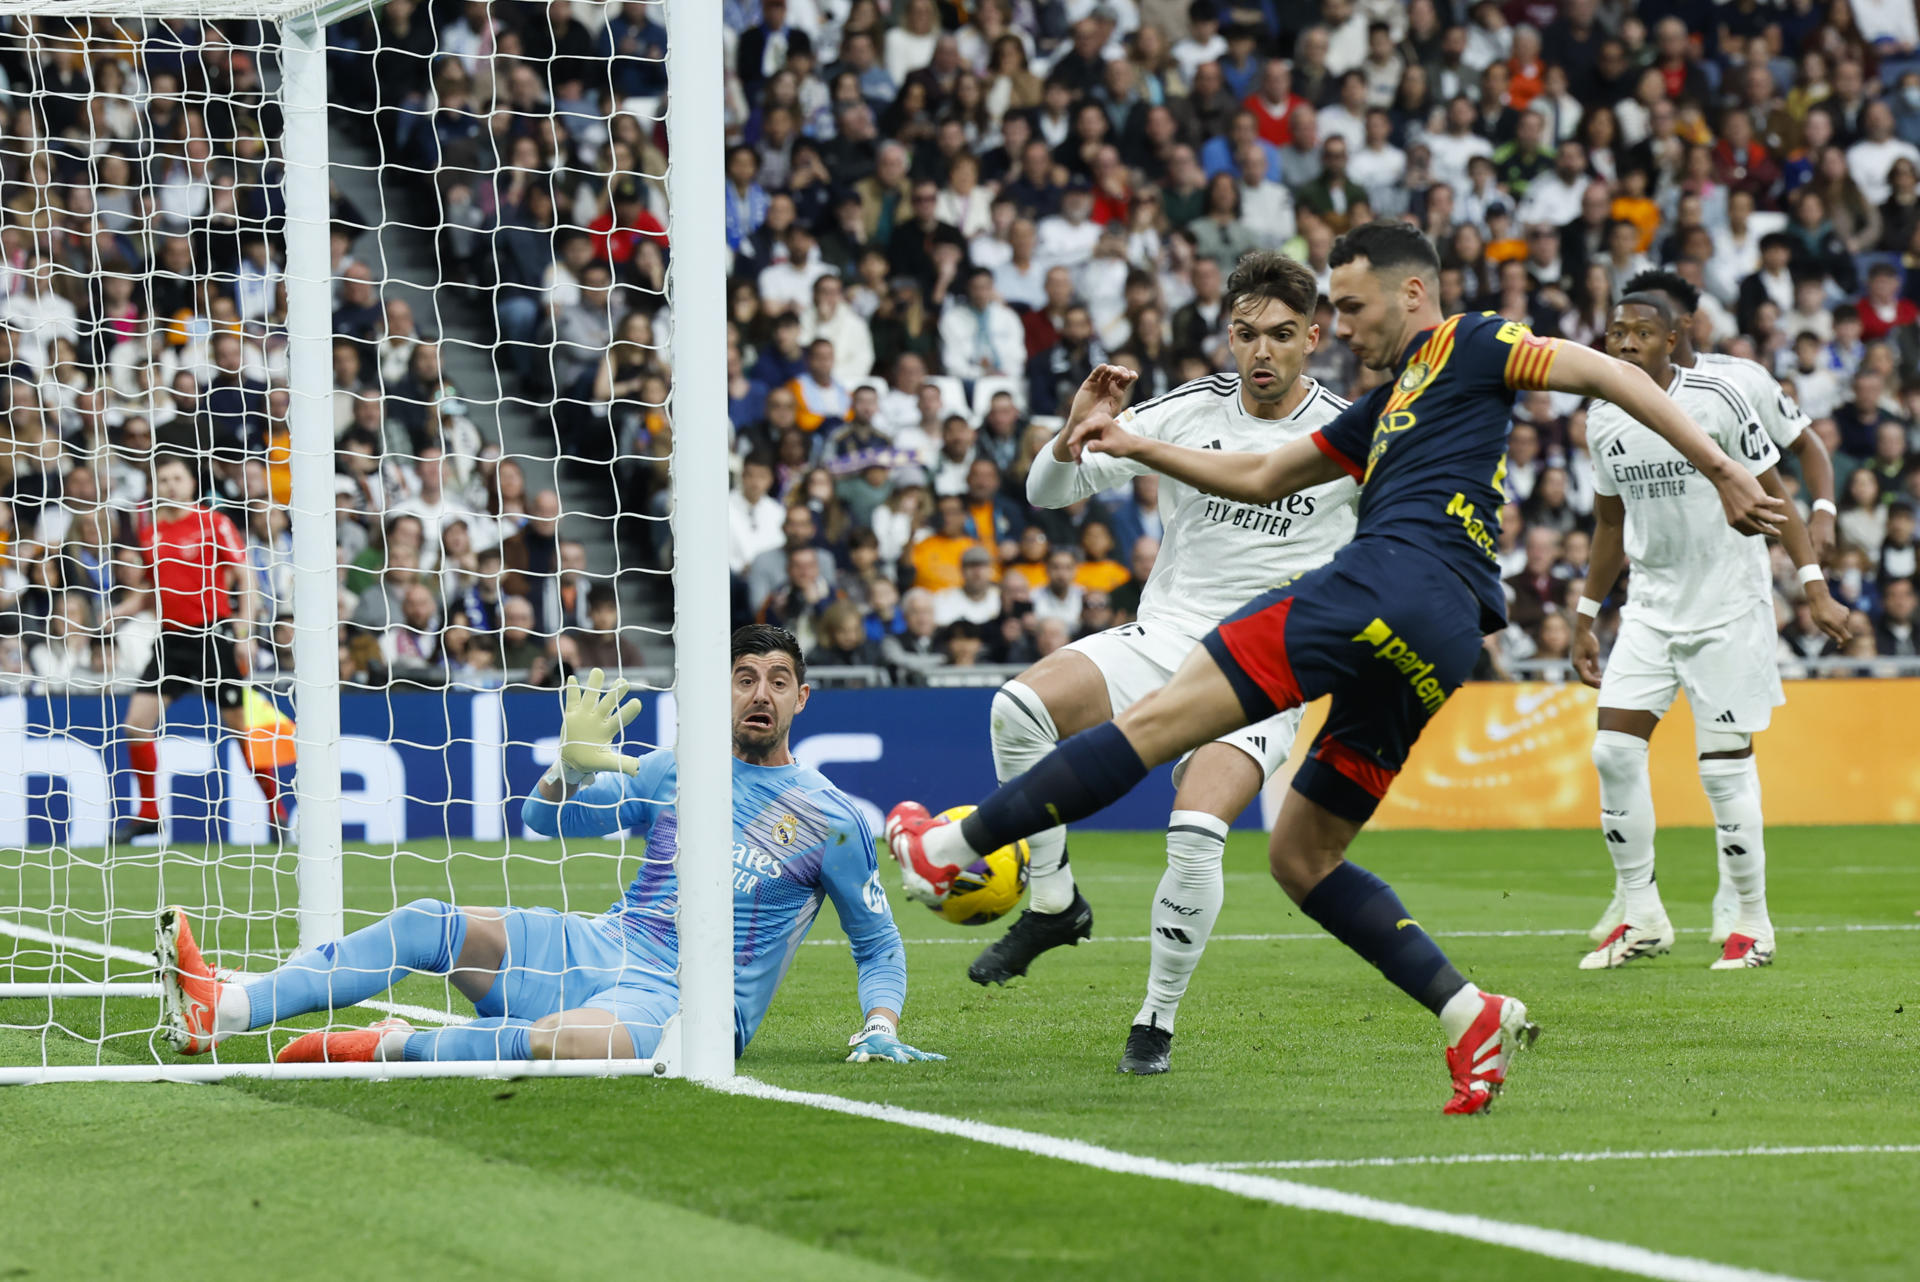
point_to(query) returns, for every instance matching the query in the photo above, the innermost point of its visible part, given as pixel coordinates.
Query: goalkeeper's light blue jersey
(796, 840)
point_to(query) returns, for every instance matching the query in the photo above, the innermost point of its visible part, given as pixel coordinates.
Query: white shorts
(1730, 673)
(1139, 658)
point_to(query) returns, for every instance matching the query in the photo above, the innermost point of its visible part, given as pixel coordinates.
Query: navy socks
(1362, 912)
(1085, 774)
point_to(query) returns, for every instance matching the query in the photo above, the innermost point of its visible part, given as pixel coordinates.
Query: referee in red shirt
(197, 584)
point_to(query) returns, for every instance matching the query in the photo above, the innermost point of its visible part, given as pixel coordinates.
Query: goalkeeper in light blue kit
(547, 984)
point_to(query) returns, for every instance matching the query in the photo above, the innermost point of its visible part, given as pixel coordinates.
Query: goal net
(340, 376)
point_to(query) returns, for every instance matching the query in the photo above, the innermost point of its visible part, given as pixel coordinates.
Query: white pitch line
(1605, 1155)
(1303, 935)
(1554, 1244)
(113, 952)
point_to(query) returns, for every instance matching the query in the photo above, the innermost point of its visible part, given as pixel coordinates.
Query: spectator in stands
(914, 650)
(820, 400)
(1060, 597)
(1536, 590)
(1899, 550)
(1098, 571)
(1056, 373)
(843, 640)
(1863, 516)
(992, 517)
(411, 647)
(1859, 419)
(936, 556)
(980, 336)
(522, 648)
(754, 516)
(976, 599)
(802, 598)
(954, 462)
(830, 319)
(1883, 311)
(1893, 630)
(531, 559)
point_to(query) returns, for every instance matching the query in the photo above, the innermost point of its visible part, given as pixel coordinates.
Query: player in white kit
(1215, 556)
(1788, 425)
(1699, 616)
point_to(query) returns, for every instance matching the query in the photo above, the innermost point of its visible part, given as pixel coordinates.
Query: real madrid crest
(786, 830)
(1414, 375)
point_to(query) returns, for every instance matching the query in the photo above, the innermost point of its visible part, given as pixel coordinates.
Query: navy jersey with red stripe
(1429, 447)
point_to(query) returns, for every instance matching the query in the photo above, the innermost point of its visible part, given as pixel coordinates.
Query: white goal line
(1554, 1244)
(1605, 1155)
(1846, 928)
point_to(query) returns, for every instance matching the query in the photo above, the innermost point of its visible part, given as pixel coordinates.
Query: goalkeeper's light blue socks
(425, 935)
(1362, 912)
(1085, 774)
(501, 1037)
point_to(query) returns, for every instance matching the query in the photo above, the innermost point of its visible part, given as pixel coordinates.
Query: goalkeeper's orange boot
(1478, 1060)
(189, 990)
(342, 1046)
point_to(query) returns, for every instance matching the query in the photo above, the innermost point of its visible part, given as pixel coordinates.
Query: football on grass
(987, 888)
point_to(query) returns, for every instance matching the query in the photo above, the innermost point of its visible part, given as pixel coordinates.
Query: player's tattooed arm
(1585, 372)
(1606, 557)
(1828, 614)
(1247, 478)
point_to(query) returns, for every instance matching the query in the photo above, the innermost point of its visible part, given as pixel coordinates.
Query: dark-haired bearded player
(1389, 628)
(1213, 556)
(197, 585)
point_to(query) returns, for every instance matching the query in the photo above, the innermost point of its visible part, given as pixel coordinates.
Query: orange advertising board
(1515, 755)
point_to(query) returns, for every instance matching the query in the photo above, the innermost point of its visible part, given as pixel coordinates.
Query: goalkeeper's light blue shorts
(572, 961)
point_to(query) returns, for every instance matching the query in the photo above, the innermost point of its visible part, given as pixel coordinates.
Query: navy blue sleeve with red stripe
(1346, 439)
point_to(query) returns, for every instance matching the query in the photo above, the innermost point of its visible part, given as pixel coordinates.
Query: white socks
(1733, 788)
(1626, 821)
(1185, 907)
(1457, 1016)
(1023, 732)
(232, 1011)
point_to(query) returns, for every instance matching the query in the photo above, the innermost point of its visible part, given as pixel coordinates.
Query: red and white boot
(922, 878)
(1478, 1058)
(342, 1046)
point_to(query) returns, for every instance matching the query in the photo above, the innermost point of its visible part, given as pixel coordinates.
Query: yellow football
(988, 888)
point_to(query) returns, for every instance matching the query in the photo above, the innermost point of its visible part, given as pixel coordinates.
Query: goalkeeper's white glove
(590, 720)
(879, 1040)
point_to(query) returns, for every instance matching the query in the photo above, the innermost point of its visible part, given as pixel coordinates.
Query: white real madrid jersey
(1691, 570)
(1779, 413)
(1217, 554)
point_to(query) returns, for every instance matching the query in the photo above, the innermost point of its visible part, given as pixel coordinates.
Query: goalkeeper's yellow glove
(590, 720)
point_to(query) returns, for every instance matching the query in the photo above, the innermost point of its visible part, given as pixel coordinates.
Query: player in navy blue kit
(1390, 627)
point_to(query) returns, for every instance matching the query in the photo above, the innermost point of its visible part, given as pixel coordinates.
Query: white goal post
(75, 1004)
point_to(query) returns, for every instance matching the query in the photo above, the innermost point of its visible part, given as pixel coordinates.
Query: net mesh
(498, 460)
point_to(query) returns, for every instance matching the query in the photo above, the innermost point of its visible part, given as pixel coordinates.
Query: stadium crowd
(939, 217)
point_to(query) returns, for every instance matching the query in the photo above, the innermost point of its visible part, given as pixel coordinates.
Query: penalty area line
(1604, 1155)
(1554, 1244)
(138, 988)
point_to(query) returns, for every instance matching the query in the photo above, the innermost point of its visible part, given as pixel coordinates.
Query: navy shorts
(1385, 629)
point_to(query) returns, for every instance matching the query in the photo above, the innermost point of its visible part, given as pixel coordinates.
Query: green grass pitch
(1288, 1049)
